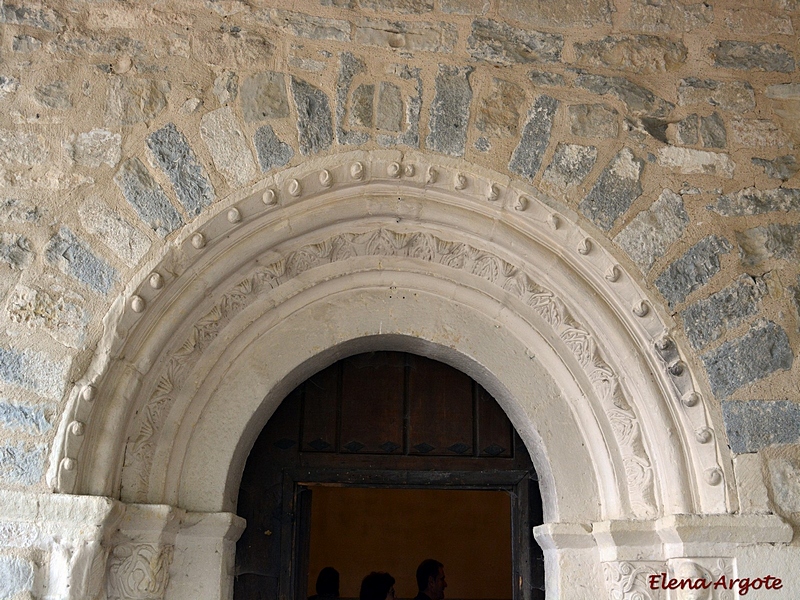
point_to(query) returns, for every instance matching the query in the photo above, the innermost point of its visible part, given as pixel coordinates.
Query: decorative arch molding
(366, 228)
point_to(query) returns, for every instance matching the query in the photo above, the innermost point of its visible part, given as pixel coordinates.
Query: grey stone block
(692, 270)
(708, 319)
(349, 67)
(53, 95)
(362, 107)
(483, 145)
(15, 250)
(688, 131)
(465, 7)
(670, 17)
(25, 417)
(528, 155)
(309, 26)
(172, 153)
(229, 148)
(783, 167)
(25, 44)
(594, 120)
(147, 197)
(450, 111)
(8, 85)
(15, 210)
(647, 237)
(712, 131)
(633, 54)
(735, 96)
(103, 45)
(760, 244)
(226, 88)
(546, 79)
(314, 127)
(131, 101)
(501, 44)
(21, 465)
(77, 259)
(614, 192)
(34, 371)
(568, 13)
(417, 36)
(762, 351)
(412, 7)
(263, 96)
(270, 150)
(389, 114)
(640, 101)
(752, 201)
(570, 166)
(41, 18)
(94, 148)
(16, 575)
(752, 425)
(498, 114)
(731, 54)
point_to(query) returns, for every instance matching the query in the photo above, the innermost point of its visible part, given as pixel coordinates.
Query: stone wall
(669, 128)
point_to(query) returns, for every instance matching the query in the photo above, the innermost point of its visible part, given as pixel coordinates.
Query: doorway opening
(391, 423)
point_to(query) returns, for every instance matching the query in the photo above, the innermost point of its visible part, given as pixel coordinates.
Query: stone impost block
(529, 153)
(78, 260)
(708, 319)
(271, 151)
(314, 125)
(502, 44)
(755, 424)
(760, 56)
(172, 153)
(784, 474)
(146, 197)
(692, 270)
(616, 189)
(639, 100)
(647, 237)
(450, 111)
(34, 371)
(762, 351)
(263, 96)
(228, 146)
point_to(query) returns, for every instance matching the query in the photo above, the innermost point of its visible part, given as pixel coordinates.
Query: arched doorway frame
(385, 250)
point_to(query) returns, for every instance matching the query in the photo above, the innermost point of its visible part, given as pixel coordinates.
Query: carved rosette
(420, 246)
(628, 580)
(139, 571)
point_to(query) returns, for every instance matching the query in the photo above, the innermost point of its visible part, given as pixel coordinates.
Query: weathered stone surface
(450, 111)
(413, 7)
(794, 294)
(349, 67)
(228, 146)
(757, 133)
(263, 96)
(648, 236)
(132, 100)
(42, 18)
(501, 44)
(498, 114)
(15, 250)
(75, 258)
(785, 479)
(528, 155)
(594, 120)
(712, 131)
(640, 101)
(58, 314)
(755, 424)
(309, 26)
(53, 95)
(226, 88)
(94, 148)
(231, 49)
(465, 7)
(615, 190)
(760, 244)
(570, 166)
(687, 131)
(8, 85)
(16, 210)
(147, 197)
(570, 13)
(670, 17)
(314, 127)
(546, 79)
(731, 54)
(696, 162)
(22, 148)
(389, 114)
(411, 36)
(361, 107)
(783, 167)
(127, 242)
(25, 417)
(757, 23)
(737, 96)
(762, 351)
(25, 44)
(752, 201)
(113, 46)
(26, 466)
(692, 270)
(16, 575)
(270, 150)
(708, 319)
(483, 145)
(34, 371)
(172, 153)
(784, 91)
(634, 54)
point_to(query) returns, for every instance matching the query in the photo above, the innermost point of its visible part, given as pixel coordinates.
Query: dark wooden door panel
(321, 411)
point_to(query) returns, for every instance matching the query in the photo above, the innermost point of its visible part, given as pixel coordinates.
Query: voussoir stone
(692, 270)
(529, 153)
(755, 424)
(449, 112)
(34, 371)
(122, 238)
(146, 197)
(760, 56)
(570, 165)
(229, 149)
(271, 151)
(32, 419)
(389, 112)
(569, 13)
(776, 240)
(615, 190)
(77, 259)
(635, 54)
(362, 107)
(58, 315)
(594, 120)
(314, 125)
(752, 201)
(19, 464)
(501, 44)
(263, 96)
(498, 114)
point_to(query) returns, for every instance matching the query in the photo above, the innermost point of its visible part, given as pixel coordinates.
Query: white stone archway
(385, 250)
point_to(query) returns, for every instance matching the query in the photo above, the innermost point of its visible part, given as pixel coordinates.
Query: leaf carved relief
(429, 248)
(139, 571)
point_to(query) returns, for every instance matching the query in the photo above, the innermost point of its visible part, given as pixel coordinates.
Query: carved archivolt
(421, 246)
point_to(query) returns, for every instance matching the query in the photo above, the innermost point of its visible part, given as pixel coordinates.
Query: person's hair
(376, 586)
(427, 568)
(328, 582)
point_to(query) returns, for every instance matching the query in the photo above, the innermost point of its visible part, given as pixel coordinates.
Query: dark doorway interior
(383, 420)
